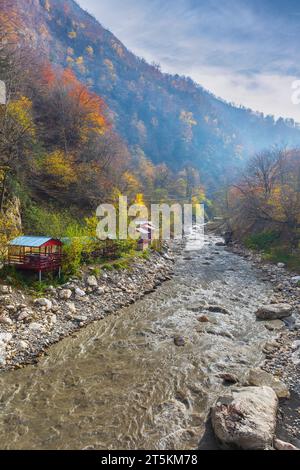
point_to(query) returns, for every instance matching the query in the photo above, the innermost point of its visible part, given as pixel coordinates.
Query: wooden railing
(36, 262)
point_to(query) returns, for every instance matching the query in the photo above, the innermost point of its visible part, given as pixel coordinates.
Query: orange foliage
(90, 105)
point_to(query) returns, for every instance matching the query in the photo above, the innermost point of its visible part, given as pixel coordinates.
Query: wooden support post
(59, 272)
(40, 276)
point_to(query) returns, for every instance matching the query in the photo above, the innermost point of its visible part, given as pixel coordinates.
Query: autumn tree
(267, 195)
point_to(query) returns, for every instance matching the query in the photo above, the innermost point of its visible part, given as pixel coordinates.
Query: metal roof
(35, 242)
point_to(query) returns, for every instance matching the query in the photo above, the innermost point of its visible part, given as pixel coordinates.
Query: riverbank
(283, 356)
(148, 376)
(29, 326)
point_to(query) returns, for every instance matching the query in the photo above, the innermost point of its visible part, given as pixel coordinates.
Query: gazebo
(39, 254)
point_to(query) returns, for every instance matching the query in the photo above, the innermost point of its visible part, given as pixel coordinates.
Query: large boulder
(246, 419)
(281, 445)
(259, 377)
(274, 311)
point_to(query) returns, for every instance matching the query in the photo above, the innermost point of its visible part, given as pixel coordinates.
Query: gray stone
(22, 345)
(37, 327)
(24, 315)
(259, 377)
(218, 309)
(80, 318)
(46, 303)
(274, 311)
(92, 281)
(229, 378)
(10, 308)
(5, 337)
(4, 290)
(246, 418)
(79, 292)
(65, 294)
(72, 307)
(281, 445)
(2, 358)
(6, 320)
(275, 325)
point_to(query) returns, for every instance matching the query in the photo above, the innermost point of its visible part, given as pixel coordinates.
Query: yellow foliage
(61, 167)
(188, 118)
(131, 183)
(139, 200)
(9, 227)
(111, 68)
(90, 50)
(80, 60)
(72, 34)
(20, 111)
(69, 60)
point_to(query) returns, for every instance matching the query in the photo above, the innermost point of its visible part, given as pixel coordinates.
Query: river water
(121, 383)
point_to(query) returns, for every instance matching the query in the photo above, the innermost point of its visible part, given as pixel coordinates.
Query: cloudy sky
(246, 51)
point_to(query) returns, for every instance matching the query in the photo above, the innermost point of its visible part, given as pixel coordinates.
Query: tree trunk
(2, 194)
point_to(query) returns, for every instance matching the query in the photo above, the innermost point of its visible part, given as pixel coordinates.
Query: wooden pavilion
(39, 254)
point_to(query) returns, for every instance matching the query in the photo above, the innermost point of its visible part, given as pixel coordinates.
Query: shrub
(262, 241)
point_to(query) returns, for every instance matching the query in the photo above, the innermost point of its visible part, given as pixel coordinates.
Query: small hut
(38, 254)
(146, 230)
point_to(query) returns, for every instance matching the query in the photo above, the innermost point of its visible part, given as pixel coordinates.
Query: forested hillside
(168, 119)
(60, 154)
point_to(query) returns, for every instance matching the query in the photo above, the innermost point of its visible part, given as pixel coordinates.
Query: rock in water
(274, 311)
(179, 341)
(229, 378)
(259, 377)
(274, 325)
(218, 309)
(203, 319)
(246, 419)
(281, 445)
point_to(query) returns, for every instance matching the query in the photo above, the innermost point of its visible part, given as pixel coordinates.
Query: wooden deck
(36, 262)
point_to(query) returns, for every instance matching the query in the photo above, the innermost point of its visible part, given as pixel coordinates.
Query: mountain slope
(169, 118)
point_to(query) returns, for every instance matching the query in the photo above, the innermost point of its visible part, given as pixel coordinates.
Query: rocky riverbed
(283, 355)
(29, 326)
(213, 349)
